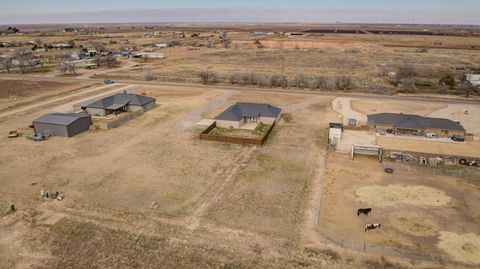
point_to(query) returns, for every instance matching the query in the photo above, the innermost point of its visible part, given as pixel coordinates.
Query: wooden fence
(205, 135)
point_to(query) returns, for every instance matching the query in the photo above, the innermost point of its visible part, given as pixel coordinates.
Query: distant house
(406, 124)
(62, 124)
(161, 45)
(473, 78)
(9, 30)
(121, 102)
(240, 113)
(156, 55)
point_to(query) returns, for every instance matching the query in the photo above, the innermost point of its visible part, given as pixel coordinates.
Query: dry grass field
(423, 213)
(214, 205)
(369, 106)
(150, 194)
(21, 92)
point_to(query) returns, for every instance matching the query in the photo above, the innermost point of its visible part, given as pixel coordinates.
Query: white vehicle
(431, 135)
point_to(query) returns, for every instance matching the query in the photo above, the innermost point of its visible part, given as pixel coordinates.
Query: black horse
(364, 211)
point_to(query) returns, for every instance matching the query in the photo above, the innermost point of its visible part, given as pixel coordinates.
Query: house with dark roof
(120, 102)
(62, 124)
(241, 113)
(406, 124)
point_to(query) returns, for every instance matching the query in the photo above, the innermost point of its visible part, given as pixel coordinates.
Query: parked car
(108, 81)
(388, 170)
(458, 138)
(37, 137)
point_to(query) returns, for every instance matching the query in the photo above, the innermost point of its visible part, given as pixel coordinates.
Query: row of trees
(301, 81)
(405, 77)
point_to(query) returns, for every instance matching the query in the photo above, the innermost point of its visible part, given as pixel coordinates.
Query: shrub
(344, 83)
(448, 80)
(279, 81)
(406, 71)
(208, 77)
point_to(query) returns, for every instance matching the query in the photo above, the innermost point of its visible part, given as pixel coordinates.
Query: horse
(364, 211)
(372, 226)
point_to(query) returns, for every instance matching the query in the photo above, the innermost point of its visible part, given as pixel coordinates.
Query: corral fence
(205, 135)
(371, 248)
(462, 172)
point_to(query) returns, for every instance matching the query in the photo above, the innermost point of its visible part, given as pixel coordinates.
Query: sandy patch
(464, 247)
(342, 105)
(414, 224)
(391, 195)
(370, 106)
(469, 120)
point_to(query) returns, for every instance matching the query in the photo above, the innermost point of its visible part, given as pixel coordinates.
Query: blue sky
(396, 11)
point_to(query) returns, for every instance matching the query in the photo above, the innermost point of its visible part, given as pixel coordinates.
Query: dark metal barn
(62, 124)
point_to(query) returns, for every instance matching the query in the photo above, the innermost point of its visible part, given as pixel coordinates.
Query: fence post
(364, 246)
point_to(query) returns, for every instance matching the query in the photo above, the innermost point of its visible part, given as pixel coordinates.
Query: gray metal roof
(238, 111)
(407, 121)
(120, 99)
(61, 118)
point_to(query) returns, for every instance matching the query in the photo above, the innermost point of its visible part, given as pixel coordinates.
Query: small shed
(335, 132)
(63, 124)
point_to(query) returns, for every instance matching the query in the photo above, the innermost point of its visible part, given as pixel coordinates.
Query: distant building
(161, 45)
(62, 124)
(406, 124)
(473, 78)
(240, 113)
(153, 55)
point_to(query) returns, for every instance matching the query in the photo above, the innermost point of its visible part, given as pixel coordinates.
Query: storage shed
(62, 124)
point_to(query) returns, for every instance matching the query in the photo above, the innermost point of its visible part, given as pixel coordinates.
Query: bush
(300, 81)
(208, 77)
(406, 71)
(448, 80)
(279, 81)
(344, 83)
(319, 83)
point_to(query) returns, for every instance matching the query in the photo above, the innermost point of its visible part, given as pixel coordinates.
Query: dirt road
(56, 100)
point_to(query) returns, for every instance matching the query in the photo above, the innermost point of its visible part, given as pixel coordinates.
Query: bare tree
(24, 59)
(7, 63)
(407, 84)
(225, 39)
(68, 66)
(300, 81)
(149, 73)
(344, 83)
(319, 83)
(443, 88)
(99, 47)
(208, 77)
(111, 61)
(467, 88)
(279, 81)
(406, 71)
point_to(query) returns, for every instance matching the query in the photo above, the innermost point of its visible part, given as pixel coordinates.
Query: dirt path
(303, 104)
(196, 115)
(194, 220)
(342, 106)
